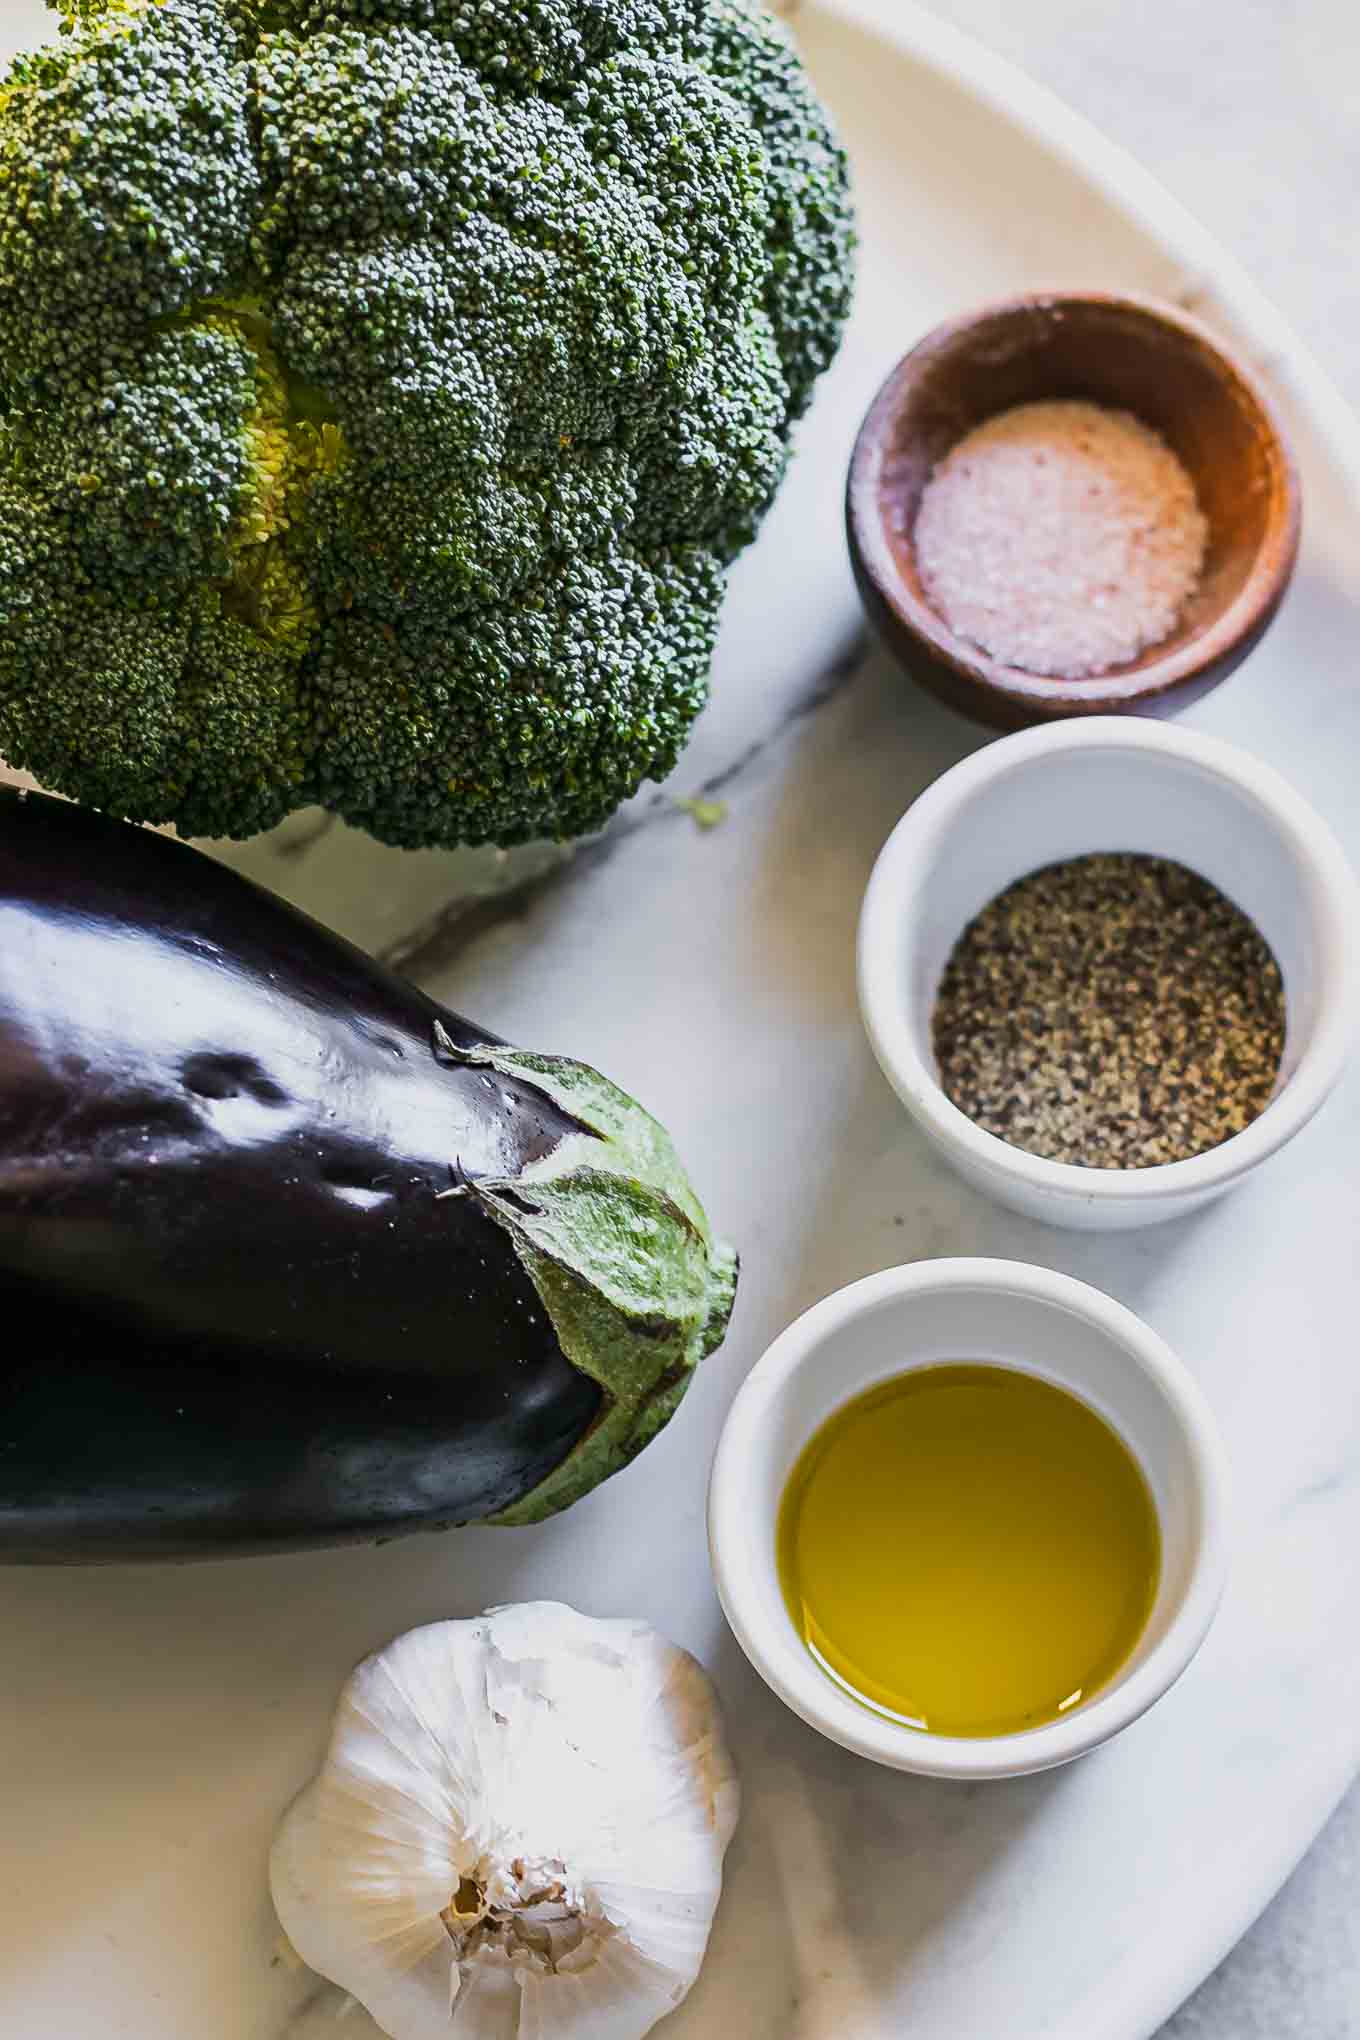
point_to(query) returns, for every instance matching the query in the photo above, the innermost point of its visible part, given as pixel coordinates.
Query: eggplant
(290, 1255)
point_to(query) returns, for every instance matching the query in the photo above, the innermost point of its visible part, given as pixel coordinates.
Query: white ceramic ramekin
(1012, 1315)
(1109, 783)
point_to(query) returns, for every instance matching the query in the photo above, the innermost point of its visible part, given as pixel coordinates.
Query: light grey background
(1250, 111)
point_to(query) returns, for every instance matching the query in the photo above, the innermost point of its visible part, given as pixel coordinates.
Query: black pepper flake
(1116, 1011)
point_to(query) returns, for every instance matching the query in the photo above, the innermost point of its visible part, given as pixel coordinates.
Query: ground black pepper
(1114, 1010)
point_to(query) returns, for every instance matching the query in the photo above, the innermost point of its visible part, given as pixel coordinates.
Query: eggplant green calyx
(617, 1245)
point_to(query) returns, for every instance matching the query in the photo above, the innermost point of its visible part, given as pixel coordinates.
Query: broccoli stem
(79, 13)
(295, 439)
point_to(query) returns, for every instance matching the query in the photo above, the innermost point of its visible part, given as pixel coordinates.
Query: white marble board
(153, 1724)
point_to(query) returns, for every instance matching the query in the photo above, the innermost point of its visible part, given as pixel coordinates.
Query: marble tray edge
(1216, 281)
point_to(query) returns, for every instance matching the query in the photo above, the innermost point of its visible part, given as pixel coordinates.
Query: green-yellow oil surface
(969, 1550)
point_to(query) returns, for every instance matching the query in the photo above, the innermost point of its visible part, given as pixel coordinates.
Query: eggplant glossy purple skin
(237, 1312)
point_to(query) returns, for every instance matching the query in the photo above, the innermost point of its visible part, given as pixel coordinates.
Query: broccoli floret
(587, 684)
(385, 386)
(170, 709)
(129, 187)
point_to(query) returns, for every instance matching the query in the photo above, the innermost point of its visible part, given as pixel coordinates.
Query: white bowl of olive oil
(967, 1518)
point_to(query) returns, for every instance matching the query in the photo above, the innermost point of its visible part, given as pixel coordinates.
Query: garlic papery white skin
(517, 1833)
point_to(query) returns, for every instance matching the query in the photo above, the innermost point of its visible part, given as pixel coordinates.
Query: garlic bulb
(518, 1831)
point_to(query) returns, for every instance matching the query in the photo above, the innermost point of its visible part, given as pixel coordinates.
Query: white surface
(1004, 1315)
(1065, 790)
(155, 1724)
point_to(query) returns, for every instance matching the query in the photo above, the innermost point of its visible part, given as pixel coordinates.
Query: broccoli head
(385, 386)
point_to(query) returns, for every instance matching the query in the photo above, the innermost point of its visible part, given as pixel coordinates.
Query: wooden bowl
(1125, 352)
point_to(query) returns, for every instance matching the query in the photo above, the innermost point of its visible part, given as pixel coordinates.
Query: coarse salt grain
(1062, 538)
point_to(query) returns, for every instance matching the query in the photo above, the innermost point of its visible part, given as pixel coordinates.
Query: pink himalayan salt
(1061, 538)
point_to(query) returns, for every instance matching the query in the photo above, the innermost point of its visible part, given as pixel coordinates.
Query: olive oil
(969, 1550)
